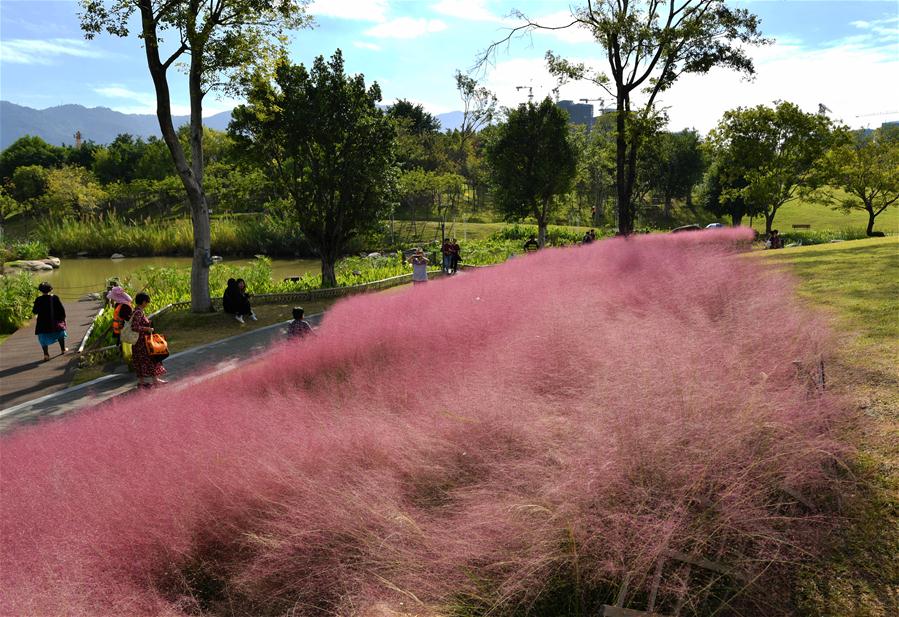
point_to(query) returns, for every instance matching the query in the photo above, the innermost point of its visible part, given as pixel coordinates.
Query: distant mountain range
(57, 125)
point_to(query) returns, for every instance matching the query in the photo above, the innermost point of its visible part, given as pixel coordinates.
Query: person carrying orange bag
(147, 364)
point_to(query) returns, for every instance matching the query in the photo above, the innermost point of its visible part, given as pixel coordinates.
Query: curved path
(23, 374)
(184, 368)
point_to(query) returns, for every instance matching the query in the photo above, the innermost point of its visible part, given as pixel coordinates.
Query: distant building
(578, 113)
(890, 124)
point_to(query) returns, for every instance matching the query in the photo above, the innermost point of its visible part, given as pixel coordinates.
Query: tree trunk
(736, 219)
(667, 209)
(769, 220)
(329, 278)
(200, 301)
(625, 223)
(869, 231)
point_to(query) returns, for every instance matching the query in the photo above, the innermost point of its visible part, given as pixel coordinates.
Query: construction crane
(878, 113)
(823, 109)
(530, 90)
(601, 101)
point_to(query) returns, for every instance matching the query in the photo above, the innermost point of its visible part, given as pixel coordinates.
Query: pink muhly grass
(505, 440)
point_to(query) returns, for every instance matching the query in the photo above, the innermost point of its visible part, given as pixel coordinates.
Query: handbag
(128, 334)
(157, 347)
(60, 326)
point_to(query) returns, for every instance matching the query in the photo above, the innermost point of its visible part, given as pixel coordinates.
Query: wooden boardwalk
(23, 374)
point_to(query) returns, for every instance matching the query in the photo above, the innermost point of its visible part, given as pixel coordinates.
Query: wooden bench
(802, 226)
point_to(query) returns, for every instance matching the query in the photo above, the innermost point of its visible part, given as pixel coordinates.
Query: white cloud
(471, 10)
(406, 28)
(145, 102)
(46, 51)
(367, 45)
(849, 78)
(359, 10)
(511, 79)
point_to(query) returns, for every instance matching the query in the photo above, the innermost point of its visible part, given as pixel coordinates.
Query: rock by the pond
(53, 261)
(34, 265)
(117, 256)
(374, 255)
(94, 296)
(82, 253)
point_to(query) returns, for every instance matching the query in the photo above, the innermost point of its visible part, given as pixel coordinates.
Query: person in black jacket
(236, 300)
(50, 326)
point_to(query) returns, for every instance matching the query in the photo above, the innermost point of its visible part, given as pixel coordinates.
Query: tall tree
(532, 160)
(330, 146)
(679, 167)
(866, 169)
(219, 39)
(29, 150)
(420, 121)
(478, 111)
(648, 44)
(772, 151)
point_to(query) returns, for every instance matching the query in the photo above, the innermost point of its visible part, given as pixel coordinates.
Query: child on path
(50, 326)
(298, 328)
(419, 267)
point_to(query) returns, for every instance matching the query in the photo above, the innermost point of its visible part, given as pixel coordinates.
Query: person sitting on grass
(298, 328)
(236, 300)
(531, 244)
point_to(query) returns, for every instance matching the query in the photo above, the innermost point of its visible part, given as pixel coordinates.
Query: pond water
(77, 277)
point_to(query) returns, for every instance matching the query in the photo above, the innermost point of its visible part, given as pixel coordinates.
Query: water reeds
(103, 236)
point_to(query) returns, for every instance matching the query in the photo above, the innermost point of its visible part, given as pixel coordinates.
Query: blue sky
(844, 54)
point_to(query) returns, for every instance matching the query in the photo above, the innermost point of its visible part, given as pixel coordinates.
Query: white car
(715, 226)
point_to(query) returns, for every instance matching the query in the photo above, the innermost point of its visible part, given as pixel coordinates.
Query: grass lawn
(3, 337)
(857, 283)
(821, 217)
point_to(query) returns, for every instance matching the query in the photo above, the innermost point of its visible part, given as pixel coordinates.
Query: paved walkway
(23, 373)
(184, 368)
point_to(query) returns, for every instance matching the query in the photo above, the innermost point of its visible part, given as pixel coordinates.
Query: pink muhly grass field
(513, 440)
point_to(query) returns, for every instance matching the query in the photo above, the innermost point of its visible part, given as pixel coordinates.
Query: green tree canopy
(532, 160)
(29, 150)
(223, 41)
(866, 169)
(773, 150)
(420, 121)
(329, 145)
(648, 45)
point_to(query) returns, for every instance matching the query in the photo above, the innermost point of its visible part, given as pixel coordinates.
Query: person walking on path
(419, 267)
(122, 310)
(447, 252)
(144, 365)
(236, 300)
(455, 255)
(50, 326)
(299, 328)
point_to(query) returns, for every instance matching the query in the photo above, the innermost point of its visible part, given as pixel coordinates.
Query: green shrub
(822, 236)
(33, 249)
(17, 293)
(555, 236)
